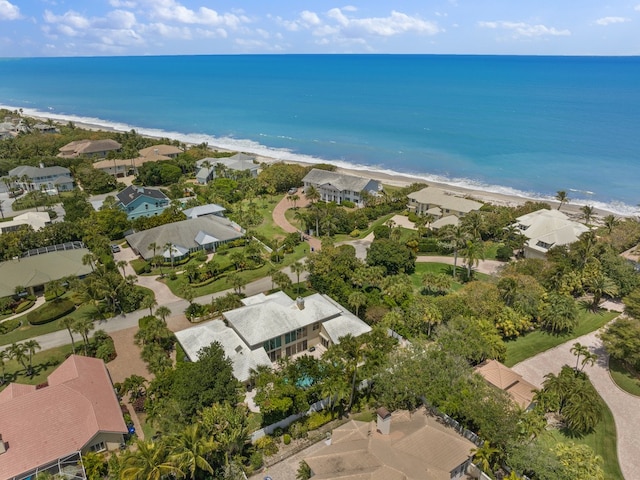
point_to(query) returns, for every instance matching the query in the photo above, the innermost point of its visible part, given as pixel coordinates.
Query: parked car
(292, 190)
(115, 248)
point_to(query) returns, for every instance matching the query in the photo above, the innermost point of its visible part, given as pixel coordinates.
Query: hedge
(26, 305)
(50, 312)
(9, 326)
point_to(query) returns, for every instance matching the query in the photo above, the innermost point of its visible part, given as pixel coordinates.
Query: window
(316, 326)
(272, 344)
(98, 447)
(146, 205)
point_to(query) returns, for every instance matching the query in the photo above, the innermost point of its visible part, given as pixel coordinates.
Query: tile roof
(155, 151)
(502, 377)
(340, 181)
(417, 448)
(87, 147)
(42, 425)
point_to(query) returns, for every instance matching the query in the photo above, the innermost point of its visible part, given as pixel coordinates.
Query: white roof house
(338, 187)
(439, 203)
(238, 162)
(547, 228)
(202, 210)
(270, 326)
(35, 220)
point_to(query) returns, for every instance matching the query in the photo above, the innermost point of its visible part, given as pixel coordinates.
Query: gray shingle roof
(132, 192)
(339, 180)
(183, 234)
(33, 172)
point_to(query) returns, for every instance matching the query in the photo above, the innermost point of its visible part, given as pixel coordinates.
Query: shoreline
(387, 177)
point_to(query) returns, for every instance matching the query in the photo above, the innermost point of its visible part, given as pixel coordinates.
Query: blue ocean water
(512, 124)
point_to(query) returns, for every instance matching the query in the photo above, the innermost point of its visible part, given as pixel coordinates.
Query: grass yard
(602, 440)
(627, 381)
(27, 331)
(440, 268)
(44, 363)
(539, 341)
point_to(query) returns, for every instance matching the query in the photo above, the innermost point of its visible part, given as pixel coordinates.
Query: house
(445, 207)
(142, 201)
(89, 148)
(45, 428)
(160, 152)
(202, 210)
(269, 327)
(36, 270)
(397, 446)
(338, 187)
(52, 179)
(545, 229)
(45, 128)
(121, 167)
(240, 162)
(505, 379)
(187, 236)
(35, 220)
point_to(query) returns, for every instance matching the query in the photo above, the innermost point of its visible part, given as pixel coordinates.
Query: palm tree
(610, 222)
(83, 326)
(163, 312)
(31, 346)
(169, 246)
(1, 208)
(578, 350)
(4, 357)
(153, 246)
(356, 300)
(18, 352)
(298, 268)
(561, 196)
(587, 213)
(121, 264)
(148, 462)
(473, 252)
(190, 451)
(68, 322)
(600, 285)
(484, 455)
(149, 302)
(456, 237)
(89, 259)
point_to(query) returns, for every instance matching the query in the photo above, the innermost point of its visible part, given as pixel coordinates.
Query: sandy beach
(398, 180)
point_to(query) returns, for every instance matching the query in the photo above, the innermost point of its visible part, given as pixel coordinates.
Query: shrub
(26, 305)
(106, 351)
(140, 266)
(256, 460)
(201, 256)
(9, 326)
(504, 253)
(267, 445)
(286, 438)
(348, 204)
(412, 217)
(298, 430)
(144, 321)
(50, 312)
(173, 276)
(355, 233)
(317, 419)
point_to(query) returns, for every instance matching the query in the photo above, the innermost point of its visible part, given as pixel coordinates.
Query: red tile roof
(43, 425)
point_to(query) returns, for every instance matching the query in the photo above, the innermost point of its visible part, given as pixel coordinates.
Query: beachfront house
(399, 445)
(160, 152)
(185, 237)
(340, 187)
(45, 429)
(269, 327)
(89, 148)
(208, 168)
(545, 229)
(121, 167)
(142, 201)
(444, 207)
(50, 179)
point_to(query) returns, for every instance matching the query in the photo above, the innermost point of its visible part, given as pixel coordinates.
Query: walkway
(625, 407)
(39, 302)
(280, 219)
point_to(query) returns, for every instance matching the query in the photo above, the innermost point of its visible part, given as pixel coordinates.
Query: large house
(35, 220)
(444, 207)
(547, 228)
(160, 152)
(185, 237)
(398, 446)
(35, 271)
(52, 179)
(338, 187)
(240, 162)
(46, 428)
(142, 201)
(502, 377)
(89, 148)
(269, 327)
(121, 167)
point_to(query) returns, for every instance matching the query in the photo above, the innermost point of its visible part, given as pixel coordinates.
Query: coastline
(392, 178)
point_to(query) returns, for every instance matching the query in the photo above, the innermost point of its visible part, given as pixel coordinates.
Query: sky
(43, 28)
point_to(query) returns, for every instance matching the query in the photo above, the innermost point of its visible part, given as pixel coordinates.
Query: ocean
(523, 125)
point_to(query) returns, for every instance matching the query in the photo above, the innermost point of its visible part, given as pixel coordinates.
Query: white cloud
(522, 29)
(637, 8)
(310, 18)
(121, 19)
(395, 24)
(70, 19)
(604, 21)
(122, 4)
(173, 11)
(8, 11)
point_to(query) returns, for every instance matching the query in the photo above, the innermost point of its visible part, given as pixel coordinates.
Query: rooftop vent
(300, 303)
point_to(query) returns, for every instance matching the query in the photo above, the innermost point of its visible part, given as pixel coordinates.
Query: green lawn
(539, 341)
(602, 440)
(624, 379)
(44, 363)
(435, 267)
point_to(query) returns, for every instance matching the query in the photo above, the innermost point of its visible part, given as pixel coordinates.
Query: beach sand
(399, 180)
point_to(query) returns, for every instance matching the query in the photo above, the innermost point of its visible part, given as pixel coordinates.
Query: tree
(30, 347)
(94, 465)
(4, 357)
(393, 257)
(579, 461)
(472, 253)
(455, 236)
(610, 222)
(356, 300)
(149, 302)
(169, 246)
(229, 427)
(163, 312)
(237, 282)
(83, 326)
(190, 451)
(304, 471)
(485, 456)
(587, 213)
(18, 352)
(622, 341)
(562, 197)
(297, 268)
(580, 350)
(147, 462)
(600, 285)
(559, 313)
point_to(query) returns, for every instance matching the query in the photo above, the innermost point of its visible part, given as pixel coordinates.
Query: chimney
(300, 303)
(383, 424)
(41, 165)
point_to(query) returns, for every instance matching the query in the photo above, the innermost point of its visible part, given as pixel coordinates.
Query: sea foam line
(280, 154)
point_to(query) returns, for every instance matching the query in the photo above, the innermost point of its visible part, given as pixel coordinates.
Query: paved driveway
(625, 407)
